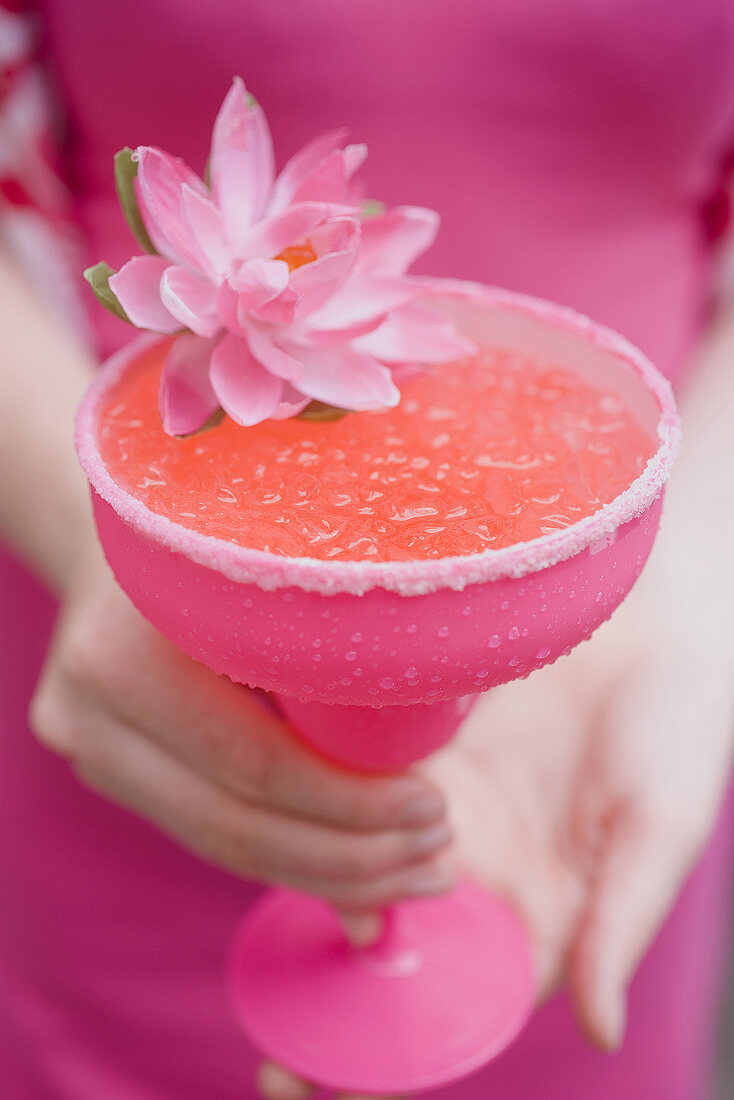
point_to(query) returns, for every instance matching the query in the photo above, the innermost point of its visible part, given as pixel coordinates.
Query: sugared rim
(408, 578)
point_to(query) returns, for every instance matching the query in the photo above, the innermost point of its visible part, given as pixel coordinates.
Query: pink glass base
(447, 989)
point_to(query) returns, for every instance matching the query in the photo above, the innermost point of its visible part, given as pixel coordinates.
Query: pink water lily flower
(285, 293)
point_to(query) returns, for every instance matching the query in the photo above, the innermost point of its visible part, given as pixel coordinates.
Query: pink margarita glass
(374, 663)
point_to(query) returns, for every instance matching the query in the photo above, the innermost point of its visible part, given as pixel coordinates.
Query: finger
(361, 929)
(253, 841)
(221, 729)
(641, 873)
(276, 1083)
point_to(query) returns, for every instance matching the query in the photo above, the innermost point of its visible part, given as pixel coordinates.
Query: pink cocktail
(376, 573)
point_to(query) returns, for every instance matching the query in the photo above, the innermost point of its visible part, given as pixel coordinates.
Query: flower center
(297, 255)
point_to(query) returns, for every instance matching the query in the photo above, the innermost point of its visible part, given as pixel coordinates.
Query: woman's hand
(202, 759)
(585, 794)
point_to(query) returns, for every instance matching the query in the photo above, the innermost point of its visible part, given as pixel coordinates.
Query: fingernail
(423, 810)
(436, 880)
(428, 840)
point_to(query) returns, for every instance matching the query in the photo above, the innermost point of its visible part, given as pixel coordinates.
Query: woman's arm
(44, 370)
(690, 578)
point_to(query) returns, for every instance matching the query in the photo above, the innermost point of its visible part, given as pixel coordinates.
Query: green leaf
(98, 277)
(126, 169)
(318, 410)
(371, 208)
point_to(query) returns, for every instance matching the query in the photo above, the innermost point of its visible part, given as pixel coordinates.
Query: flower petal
(273, 235)
(205, 224)
(363, 297)
(191, 299)
(242, 162)
(259, 281)
(300, 166)
(246, 391)
(415, 334)
(281, 310)
(329, 181)
(186, 398)
(392, 241)
(316, 282)
(137, 288)
(158, 190)
(308, 337)
(343, 377)
(291, 405)
(227, 309)
(270, 356)
(336, 235)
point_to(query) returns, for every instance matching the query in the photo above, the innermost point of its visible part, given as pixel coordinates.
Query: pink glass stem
(379, 740)
(370, 739)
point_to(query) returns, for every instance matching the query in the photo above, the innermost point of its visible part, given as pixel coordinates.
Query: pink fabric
(576, 151)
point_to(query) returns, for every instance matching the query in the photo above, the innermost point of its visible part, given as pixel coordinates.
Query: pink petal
(227, 309)
(258, 282)
(158, 189)
(392, 241)
(270, 356)
(345, 378)
(300, 166)
(354, 158)
(336, 235)
(242, 164)
(412, 333)
(186, 398)
(362, 298)
(271, 236)
(291, 404)
(281, 310)
(329, 182)
(246, 391)
(205, 224)
(316, 282)
(320, 338)
(191, 299)
(137, 288)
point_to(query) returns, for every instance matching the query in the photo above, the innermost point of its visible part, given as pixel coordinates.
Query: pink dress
(576, 151)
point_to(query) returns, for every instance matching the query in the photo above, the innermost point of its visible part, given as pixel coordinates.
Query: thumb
(639, 877)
